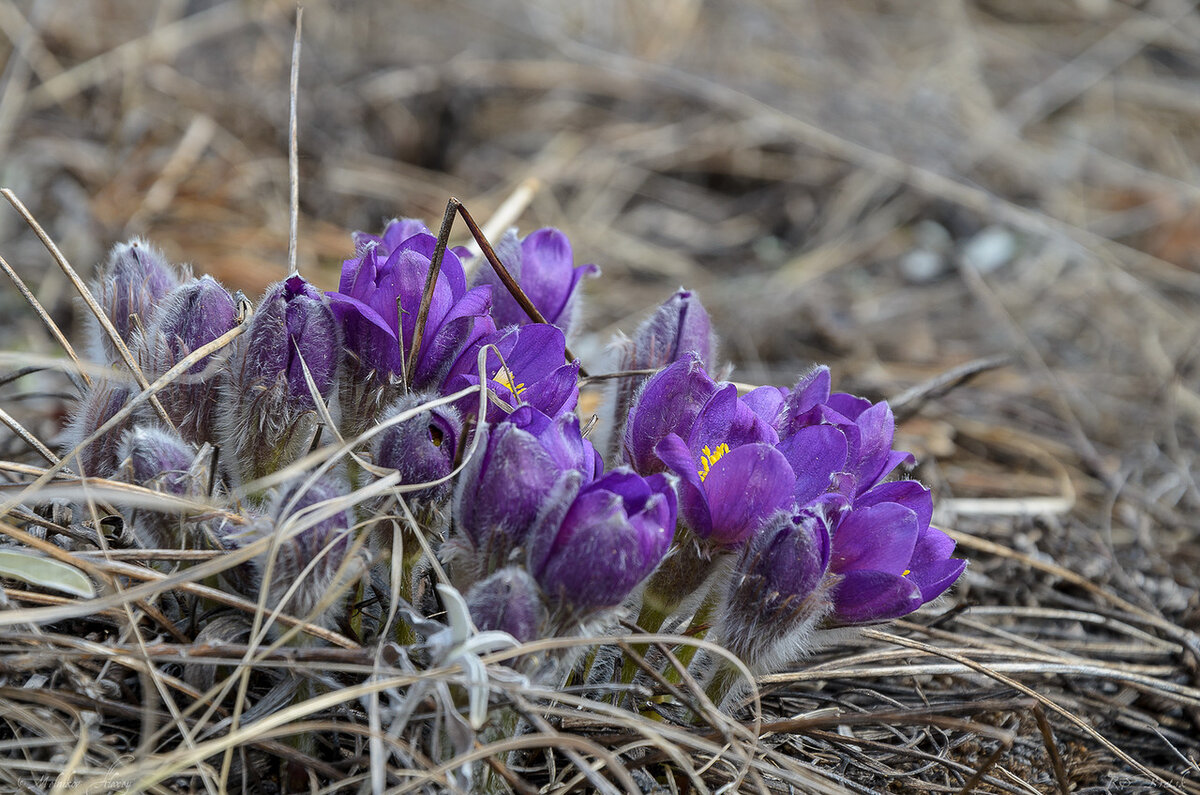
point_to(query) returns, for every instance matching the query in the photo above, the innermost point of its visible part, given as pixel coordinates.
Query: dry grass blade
(47, 321)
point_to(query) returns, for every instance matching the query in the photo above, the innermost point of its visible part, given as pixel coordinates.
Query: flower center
(710, 457)
(504, 378)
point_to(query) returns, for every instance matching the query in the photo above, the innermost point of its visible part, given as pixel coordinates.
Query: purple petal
(693, 503)
(814, 453)
(879, 538)
(936, 578)
(865, 596)
(908, 493)
(744, 488)
(669, 403)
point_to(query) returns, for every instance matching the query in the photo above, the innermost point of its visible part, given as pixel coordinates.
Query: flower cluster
(761, 516)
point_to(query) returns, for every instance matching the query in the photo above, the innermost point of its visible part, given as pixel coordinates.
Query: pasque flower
(868, 428)
(270, 415)
(528, 463)
(678, 328)
(99, 403)
(189, 317)
(128, 288)
(614, 534)
(731, 476)
(378, 300)
(508, 601)
(157, 458)
(776, 595)
(526, 365)
(422, 448)
(890, 560)
(543, 265)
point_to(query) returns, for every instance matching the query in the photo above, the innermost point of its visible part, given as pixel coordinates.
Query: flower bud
(422, 448)
(678, 328)
(615, 533)
(508, 601)
(543, 265)
(777, 593)
(190, 316)
(128, 288)
(158, 459)
(99, 403)
(527, 464)
(312, 559)
(270, 412)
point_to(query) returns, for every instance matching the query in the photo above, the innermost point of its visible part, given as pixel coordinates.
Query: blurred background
(895, 188)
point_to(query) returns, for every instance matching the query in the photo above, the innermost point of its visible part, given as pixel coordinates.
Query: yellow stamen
(504, 378)
(710, 457)
(906, 572)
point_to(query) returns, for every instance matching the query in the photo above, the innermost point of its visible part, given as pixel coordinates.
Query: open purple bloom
(544, 267)
(529, 463)
(531, 369)
(890, 560)
(424, 447)
(868, 428)
(775, 597)
(616, 531)
(192, 315)
(379, 333)
(128, 288)
(732, 477)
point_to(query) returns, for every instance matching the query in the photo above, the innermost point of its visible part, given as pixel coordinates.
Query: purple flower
(270, 415)
(128, 288)
(678, 328)
(890, 559)
(422, 448)
(616, 531)
(528, 464)
(189, 317)
(312, 561)
(544, 267)
(531, 369)
(159, 459)
(732, 477)
(98, 404)
(379, 335)
(776, 596)
(509, 601)
(868, 427)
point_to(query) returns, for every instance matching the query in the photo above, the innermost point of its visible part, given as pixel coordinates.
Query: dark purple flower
(544, 267)
(98, 404)
(270, 413)
(509, 601)
(158, 459)
(528, 464)
(890, 560)
(422, 448)
(668, 403)
(868, 428)
(776, 595)
(678, 328)
(189, 317)
(311, 560)
(128, 288)
(732, 477)
(616, 531)
(379, 335)
(530, 369)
